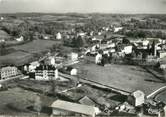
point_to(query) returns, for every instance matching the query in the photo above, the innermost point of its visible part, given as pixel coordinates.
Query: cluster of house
(109, 48)
(87, 107)
(149, 49)
(135, 103)
(46, 69)
(58, 36)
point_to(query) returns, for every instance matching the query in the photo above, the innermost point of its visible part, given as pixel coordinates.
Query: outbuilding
(65, 108)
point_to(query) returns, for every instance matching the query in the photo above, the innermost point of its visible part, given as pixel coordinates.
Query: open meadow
(123, 77)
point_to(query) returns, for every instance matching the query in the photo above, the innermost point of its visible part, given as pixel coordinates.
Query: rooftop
(86, 101)
(45, 67)
(74, 107)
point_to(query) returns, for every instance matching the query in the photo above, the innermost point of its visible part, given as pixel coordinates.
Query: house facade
(46, 72)
(162, 54)
(8, 72)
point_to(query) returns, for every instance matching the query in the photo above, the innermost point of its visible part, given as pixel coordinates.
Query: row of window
(45, 70)
(7, 77)
(45, 75)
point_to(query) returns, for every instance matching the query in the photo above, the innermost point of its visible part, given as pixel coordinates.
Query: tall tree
(2, 49)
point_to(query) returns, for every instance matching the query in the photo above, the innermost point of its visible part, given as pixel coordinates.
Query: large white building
(8, 72)
(46, 72)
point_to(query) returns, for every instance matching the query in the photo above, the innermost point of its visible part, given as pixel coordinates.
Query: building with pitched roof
(60, 107)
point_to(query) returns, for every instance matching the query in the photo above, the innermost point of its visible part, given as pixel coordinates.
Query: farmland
(124, 77)
(18, 100)
(36, 46)
(25, 53)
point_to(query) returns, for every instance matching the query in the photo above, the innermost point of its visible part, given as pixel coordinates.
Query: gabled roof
(74, 107)
(45, 67)
(87, 101)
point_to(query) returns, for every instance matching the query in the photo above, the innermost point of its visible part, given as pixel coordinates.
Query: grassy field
(161, 96)
(25, 53)
(123, 77)
(19, 102)
(15, 58)
(36, 46)
(16, 102)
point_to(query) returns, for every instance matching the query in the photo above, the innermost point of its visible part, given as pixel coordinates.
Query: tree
(78, 42)
(125, 41)
(2, 49)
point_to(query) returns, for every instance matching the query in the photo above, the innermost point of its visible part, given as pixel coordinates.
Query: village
(112, 74)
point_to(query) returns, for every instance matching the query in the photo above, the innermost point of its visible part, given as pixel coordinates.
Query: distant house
(106, 28)
(2, 40)
(2, 18)
(64, 108)
(50, 60)
(58, 36)
(145, 42)
(127, 49)
(74, 72)
(82, 34)
(33, 66)
(98, 58)
(117, 29)
(91, 33)
(46, 72)
(73, 56)
(111, 45)
(69, 70)
(99, 33)
(20, 39)
(46, 37)
(8, 72)
(162, 54)
(137, 98)
(162, 63)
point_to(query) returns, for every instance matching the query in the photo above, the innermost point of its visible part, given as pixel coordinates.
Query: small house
(162, 54)
(2, 40)
(98, 58)
(33, 66)
(73, 56)
(64, 108)
(117, 29)
(2, 18)
(58, 36)
(69, 70)
(137, 98)
(127, 49)
(20, 39)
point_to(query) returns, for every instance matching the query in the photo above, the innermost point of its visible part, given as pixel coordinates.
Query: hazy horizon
(84, 6)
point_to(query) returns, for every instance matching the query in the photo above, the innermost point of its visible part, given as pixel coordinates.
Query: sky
(84, 6)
